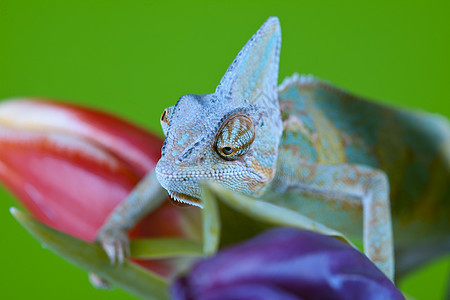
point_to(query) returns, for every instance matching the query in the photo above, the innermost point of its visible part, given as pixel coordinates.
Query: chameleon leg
(145, 197)
(350, 184)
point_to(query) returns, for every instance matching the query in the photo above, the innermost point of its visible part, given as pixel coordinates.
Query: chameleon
(357, 166)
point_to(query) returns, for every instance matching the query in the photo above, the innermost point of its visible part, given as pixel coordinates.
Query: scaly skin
(309, 147)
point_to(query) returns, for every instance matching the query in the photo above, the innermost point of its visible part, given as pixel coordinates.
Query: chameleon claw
(98, 282)
(120, 253)
(110, 252)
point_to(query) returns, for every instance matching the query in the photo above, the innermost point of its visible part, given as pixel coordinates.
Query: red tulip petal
(71, 166)
(137, 147)
(167, 221)
(66, 182)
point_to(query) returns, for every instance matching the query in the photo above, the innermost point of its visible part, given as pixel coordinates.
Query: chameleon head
(230, 136)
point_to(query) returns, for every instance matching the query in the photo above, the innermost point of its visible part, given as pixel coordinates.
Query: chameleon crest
(231, 136)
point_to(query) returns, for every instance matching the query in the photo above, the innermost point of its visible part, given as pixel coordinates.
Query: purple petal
(286, 263)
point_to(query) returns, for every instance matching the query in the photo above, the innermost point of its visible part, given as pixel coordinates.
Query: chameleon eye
(235, 137)
(164, 115)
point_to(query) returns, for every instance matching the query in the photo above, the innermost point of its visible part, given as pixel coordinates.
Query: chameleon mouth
(180, 198)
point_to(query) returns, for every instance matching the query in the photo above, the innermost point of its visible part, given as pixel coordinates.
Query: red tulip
(71, 166)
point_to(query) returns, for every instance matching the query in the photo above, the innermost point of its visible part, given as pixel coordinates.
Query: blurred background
(136, 57)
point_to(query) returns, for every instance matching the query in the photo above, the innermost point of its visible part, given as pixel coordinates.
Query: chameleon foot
(116, 245)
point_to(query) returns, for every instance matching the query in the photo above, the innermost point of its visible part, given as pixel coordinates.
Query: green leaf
(91, 257)
(211, 223)
(243, 216)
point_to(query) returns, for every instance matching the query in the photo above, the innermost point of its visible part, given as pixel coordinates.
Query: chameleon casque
(307, 146)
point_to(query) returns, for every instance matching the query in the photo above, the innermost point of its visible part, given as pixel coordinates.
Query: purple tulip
(286, 263)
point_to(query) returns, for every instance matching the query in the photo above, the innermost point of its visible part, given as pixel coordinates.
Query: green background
(134, 58)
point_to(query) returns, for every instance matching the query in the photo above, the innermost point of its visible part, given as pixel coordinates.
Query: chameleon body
(307, 146)
(348, 137)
